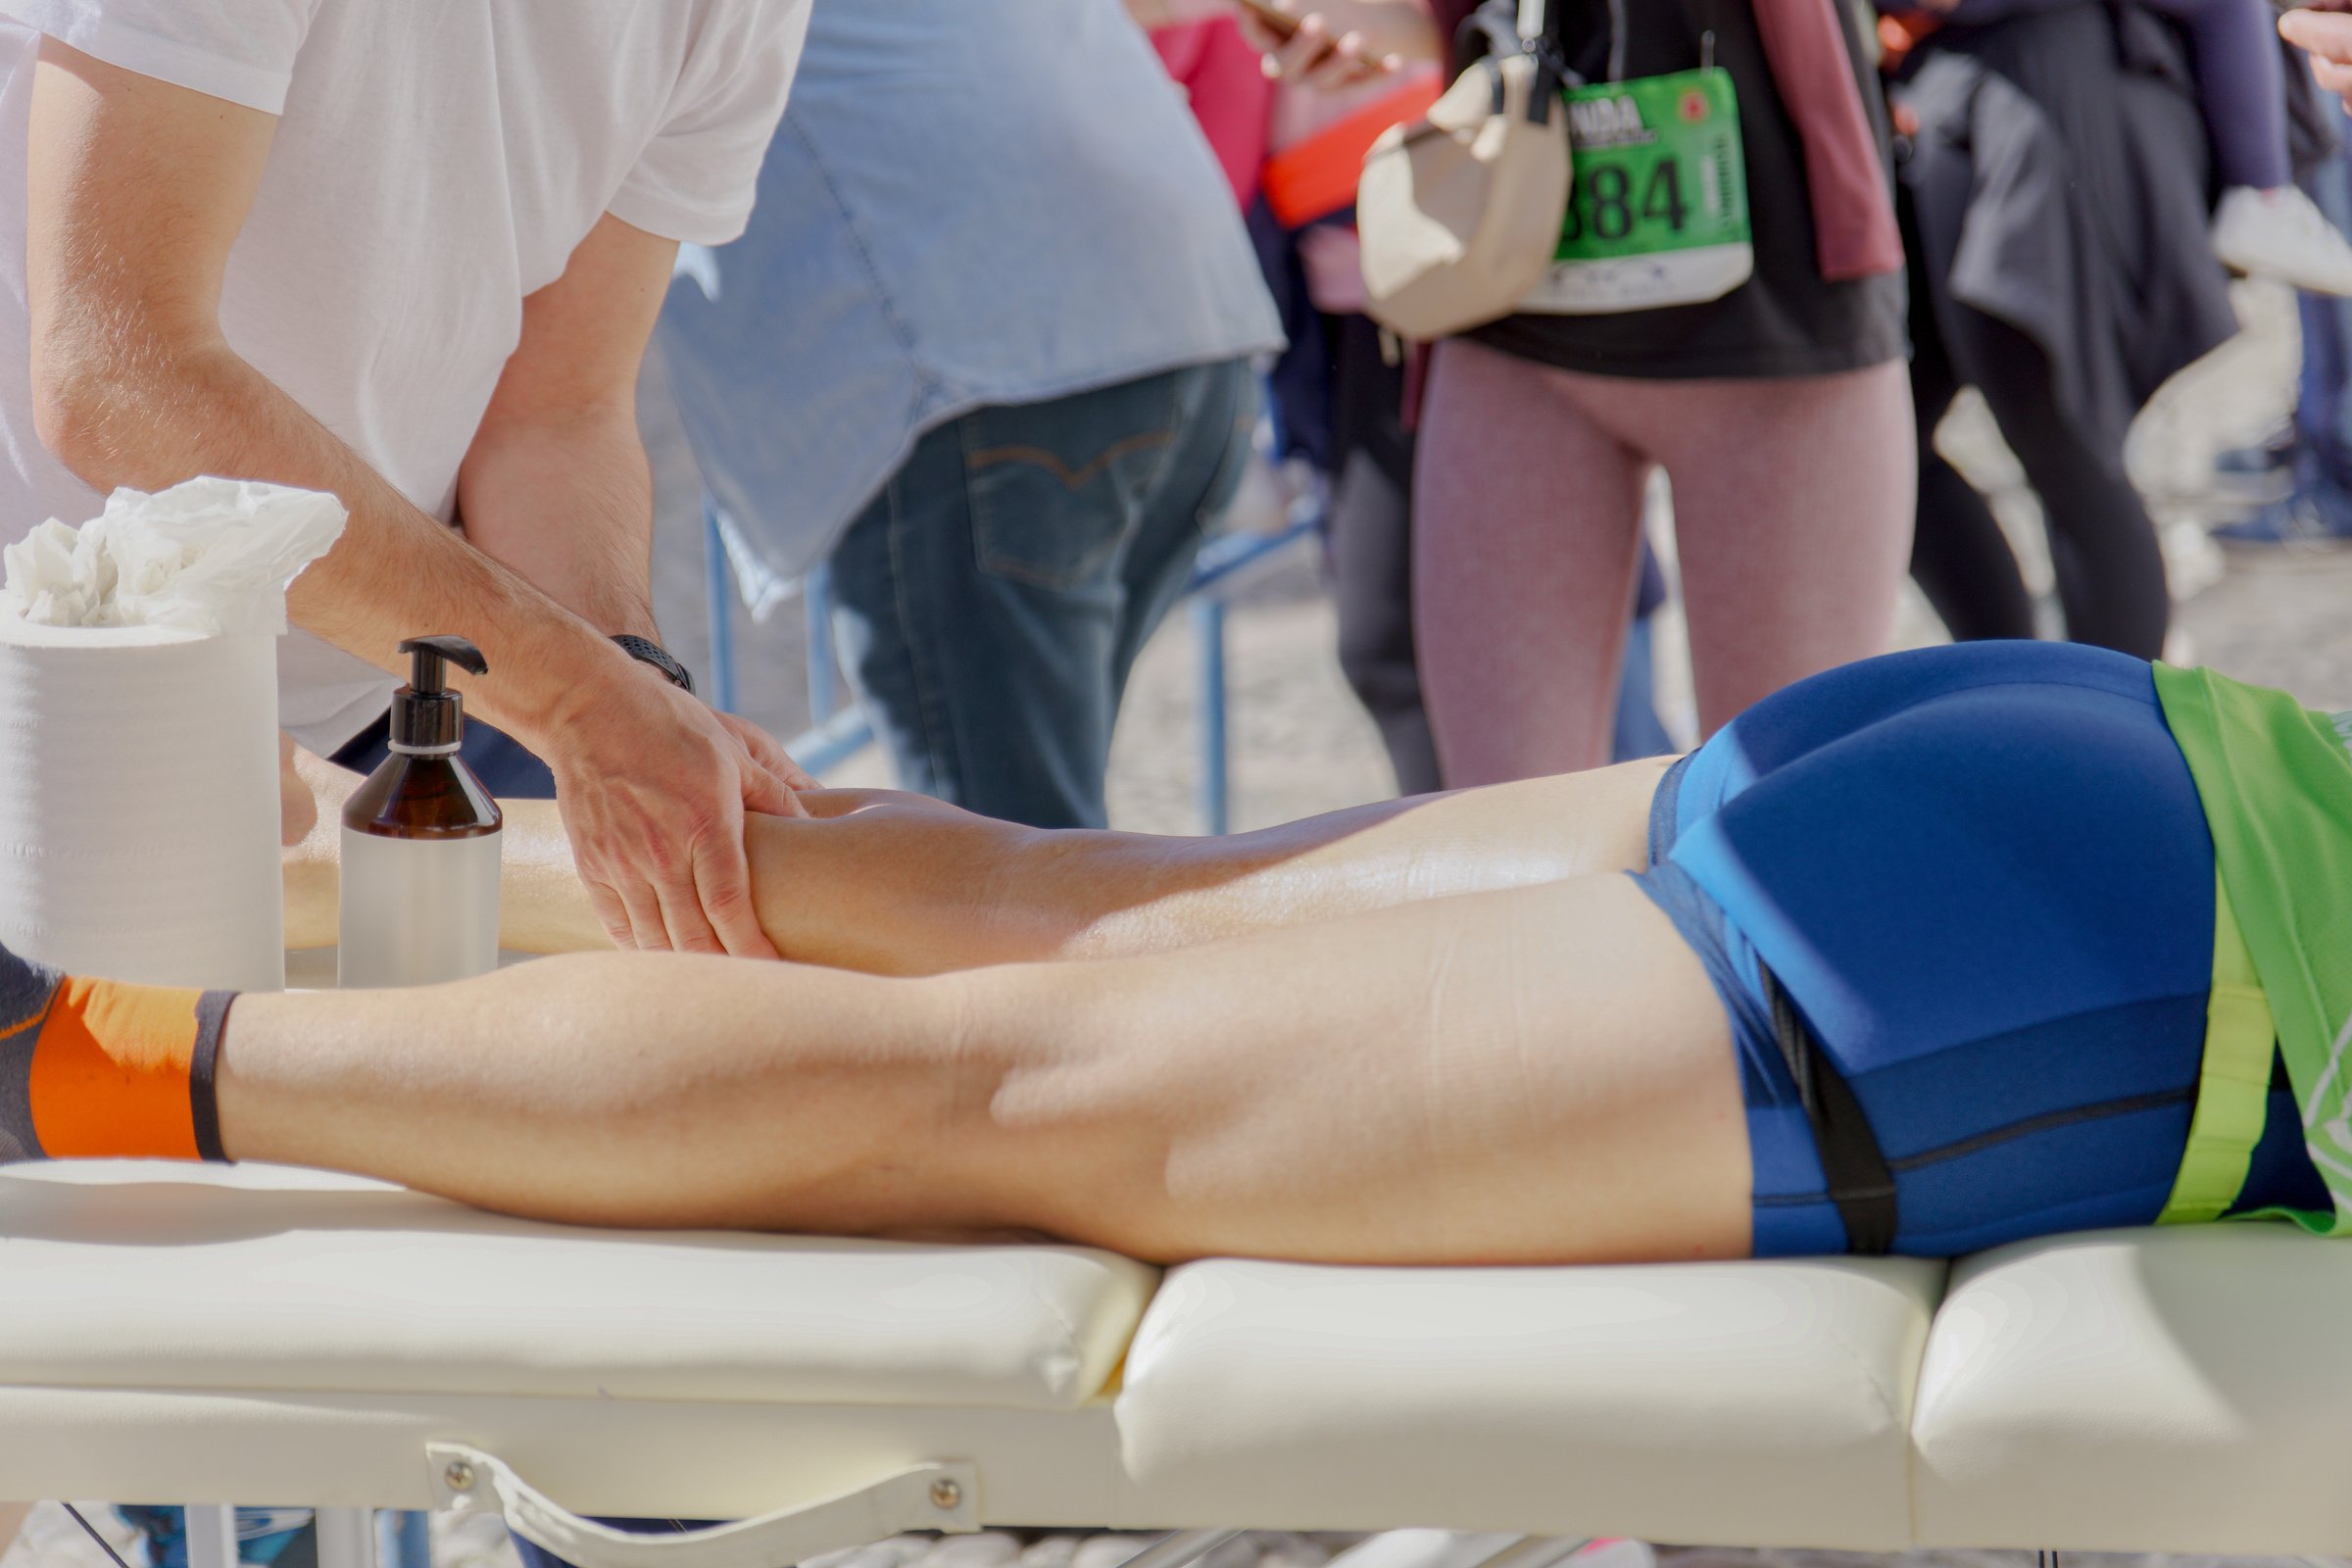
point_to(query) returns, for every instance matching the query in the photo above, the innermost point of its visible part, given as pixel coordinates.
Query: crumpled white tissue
(213, 557)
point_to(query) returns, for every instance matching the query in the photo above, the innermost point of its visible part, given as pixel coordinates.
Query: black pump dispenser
(429, 718)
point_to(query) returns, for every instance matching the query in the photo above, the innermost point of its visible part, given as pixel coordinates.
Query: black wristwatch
(648, 652)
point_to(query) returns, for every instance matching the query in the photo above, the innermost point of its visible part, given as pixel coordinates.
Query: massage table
(204, 1335)
(179, 1334)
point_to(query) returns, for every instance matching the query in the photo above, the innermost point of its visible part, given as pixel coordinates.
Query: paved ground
(1301, 746)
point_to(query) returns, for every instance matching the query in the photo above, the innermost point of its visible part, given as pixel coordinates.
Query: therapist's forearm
(149, 410)
(568, 501)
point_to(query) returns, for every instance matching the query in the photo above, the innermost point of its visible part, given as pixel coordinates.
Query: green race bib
(1659, 214)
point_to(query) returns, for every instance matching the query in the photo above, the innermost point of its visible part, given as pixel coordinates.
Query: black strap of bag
(1860, 1181)
(1500, 29)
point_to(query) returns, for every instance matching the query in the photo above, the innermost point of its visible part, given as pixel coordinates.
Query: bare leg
(1793, 503)
(1540, 1074)
(11, 1522)
(1529, 514)
(897, 884)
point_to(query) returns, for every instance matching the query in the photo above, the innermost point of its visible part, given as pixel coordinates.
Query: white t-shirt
(435, 161)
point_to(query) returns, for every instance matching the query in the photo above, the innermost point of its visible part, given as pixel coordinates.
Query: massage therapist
(410, 254)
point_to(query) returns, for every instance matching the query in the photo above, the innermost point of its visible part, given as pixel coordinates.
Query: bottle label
(416, 912)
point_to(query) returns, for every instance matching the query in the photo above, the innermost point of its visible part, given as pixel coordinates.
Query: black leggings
(1371, 524)
(2109, 564)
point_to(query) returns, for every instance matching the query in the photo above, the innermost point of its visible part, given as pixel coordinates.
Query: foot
(126, 1068)
(2280, 234)
(26, 990)
(2310, 520)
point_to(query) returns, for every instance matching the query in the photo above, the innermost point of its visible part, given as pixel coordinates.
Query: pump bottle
(421, 841)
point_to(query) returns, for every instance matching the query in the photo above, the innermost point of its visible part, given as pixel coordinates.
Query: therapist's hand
(2328, 39)
(653, 786)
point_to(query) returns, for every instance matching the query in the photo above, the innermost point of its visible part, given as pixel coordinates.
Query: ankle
(101, 1069)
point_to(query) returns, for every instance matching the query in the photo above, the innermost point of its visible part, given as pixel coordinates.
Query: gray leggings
(2239, 74)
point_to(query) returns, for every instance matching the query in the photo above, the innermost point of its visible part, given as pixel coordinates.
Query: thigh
(1540, 1075)
(1527, 516)
(1984, 877)
(1793, 508)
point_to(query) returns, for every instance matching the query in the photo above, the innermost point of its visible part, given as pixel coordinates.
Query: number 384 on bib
(1659, 214)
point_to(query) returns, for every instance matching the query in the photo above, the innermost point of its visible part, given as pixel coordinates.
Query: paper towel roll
(138, 804)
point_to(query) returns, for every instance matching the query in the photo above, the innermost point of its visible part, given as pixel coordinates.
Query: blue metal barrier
(841, 731)
(718, 586)
(1212, 790)
(824, 663)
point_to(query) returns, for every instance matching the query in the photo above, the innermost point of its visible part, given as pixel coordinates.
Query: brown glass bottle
(423, 798)
(418, 901)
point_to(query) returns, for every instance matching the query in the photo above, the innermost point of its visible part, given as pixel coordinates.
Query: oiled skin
(1446, 1031)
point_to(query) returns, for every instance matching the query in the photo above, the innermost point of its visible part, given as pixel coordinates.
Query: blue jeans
(2324, 414)
(992, 600)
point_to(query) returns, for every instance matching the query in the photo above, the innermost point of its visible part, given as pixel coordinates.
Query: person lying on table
(1922, 954)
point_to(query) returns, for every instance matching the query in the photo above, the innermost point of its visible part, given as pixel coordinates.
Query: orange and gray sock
(96, 1069)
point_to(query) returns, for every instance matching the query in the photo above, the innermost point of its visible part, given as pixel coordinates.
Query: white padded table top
(2181, 1389)
(122, 1275)
(195, 1334)
(1748, 1403)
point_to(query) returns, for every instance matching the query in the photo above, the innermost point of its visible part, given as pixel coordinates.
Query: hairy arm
(137, 192)
(557, 484)
(899, 884)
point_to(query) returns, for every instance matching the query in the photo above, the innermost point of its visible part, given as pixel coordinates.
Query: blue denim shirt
(967, 204)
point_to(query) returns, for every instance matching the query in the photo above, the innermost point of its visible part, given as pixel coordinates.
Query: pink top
(1230, 94)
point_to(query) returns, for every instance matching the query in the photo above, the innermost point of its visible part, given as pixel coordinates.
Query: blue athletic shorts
(1982, 877)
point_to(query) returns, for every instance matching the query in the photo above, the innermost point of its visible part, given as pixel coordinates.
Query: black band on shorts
(1861, 1183)
(211, 1016)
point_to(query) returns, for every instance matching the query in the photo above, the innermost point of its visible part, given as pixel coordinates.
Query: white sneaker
(2280, 234)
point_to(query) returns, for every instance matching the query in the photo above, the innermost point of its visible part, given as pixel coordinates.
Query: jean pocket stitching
(1013, 558)
(1072, 479)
